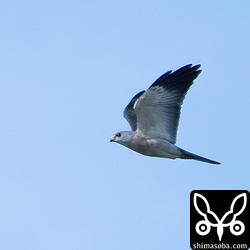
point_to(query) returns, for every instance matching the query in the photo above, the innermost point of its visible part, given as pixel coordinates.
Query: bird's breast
(154, 147)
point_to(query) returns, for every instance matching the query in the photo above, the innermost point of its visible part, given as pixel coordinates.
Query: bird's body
(154, 116)
(152, 147)
(156, 148)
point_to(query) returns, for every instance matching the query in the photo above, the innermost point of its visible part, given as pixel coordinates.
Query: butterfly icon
(203, 227)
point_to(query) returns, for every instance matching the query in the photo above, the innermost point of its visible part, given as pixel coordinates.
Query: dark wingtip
(189, 67)
(182, 78)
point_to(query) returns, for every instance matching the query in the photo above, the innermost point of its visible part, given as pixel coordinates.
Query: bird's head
(123, 137)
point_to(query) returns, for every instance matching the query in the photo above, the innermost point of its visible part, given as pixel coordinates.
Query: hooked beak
(112, 138)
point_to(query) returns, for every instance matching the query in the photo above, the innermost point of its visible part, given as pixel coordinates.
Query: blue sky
(68, 69)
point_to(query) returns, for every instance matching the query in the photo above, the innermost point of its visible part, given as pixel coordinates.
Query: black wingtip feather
(180, 79)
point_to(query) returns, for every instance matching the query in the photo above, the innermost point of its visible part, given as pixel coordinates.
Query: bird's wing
(129, 112)
(157, 110)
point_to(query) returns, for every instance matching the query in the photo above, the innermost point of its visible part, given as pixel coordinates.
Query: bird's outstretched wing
(129, 112)
(156, 112)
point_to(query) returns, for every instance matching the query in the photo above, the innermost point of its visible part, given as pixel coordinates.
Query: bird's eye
(118, 134)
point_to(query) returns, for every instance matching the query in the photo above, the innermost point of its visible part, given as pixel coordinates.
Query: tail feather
(187, 155)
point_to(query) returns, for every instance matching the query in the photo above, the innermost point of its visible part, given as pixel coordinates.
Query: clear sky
(68, 69)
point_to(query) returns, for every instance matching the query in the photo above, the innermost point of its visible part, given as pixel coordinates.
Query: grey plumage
(154, 115)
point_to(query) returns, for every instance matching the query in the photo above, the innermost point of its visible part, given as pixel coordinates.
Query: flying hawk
(154, 114)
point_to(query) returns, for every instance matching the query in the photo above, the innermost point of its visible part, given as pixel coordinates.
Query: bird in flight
(154, 114)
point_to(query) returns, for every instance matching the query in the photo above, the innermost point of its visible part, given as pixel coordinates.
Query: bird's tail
(187, 155)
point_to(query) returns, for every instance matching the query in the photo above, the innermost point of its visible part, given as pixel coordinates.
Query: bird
(154, 114)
